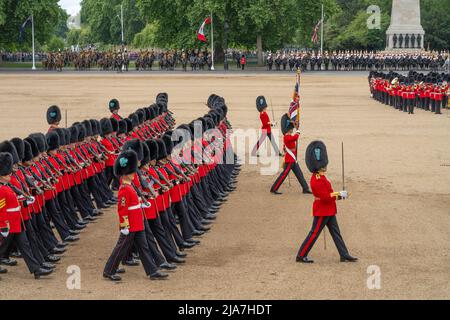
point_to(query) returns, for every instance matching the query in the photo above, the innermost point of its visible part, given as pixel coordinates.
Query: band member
(261, 106)
(114, 107)
(12, 232)
(131, 217)
(324, 207)
(290, 158)
(53, 117)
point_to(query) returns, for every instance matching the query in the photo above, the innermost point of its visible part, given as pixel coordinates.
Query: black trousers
(152, 245)
(57, 219)
(123, 247)
(183, 215)
(48, 237)
(37, 248)
(20, 240)
(164, 240)
(318, 224)
(287, 167)
(261, 140)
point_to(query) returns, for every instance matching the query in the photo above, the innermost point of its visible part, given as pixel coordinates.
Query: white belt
(289, 151)
(134, 207)
(14, 209)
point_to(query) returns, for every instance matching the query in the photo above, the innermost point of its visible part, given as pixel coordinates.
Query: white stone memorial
(405, 31)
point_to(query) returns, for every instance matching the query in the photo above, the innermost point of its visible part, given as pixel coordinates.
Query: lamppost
(226, 28)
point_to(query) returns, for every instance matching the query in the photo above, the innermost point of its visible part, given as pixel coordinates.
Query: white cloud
(71, 6)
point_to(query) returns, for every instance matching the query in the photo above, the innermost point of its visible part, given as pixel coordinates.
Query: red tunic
(325, 203)
(130, 206)
(10, 210)
(265, 122)
(290, 142)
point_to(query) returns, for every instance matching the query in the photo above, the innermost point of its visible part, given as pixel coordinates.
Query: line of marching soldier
(165, 199)
(47, 183)
(416, 90)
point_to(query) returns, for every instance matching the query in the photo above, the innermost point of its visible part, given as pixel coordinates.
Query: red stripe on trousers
(283, 177)
(316, 230)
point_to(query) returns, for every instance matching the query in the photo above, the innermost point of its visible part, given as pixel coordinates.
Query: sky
(72, 6)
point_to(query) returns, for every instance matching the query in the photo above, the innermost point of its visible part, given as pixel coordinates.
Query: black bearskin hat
(53, 140)
(134, 120)
(129, 125)
(106, 126)
(316, 157)
(286, 124)
(162, 152)
(8, 147)
(126, 163)
(81, 132)
(20, 147)
(114, 105)
(167, 138)
(114, 124)
(95, 125)
(6, 164)
(73, 134)
(261, 103)
(146, 154)
(62, 137)
(40, 141)
(88, 128)
(33, 145)
(122, 127)
(141, 116)
(53, 115)
(28, 152)
(136, 146)
(153, 149)
(67, 136)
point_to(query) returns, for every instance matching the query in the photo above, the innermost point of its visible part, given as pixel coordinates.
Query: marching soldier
(53, 117)
(114, 107)
(324, 207)
(290, 159)
(11, 220)
(261, 106)
(131, 222)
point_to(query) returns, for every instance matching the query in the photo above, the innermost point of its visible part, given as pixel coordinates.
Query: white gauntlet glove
(31, 201)
(343, 194)
(146, 206)
(5, 231)
(125, 231)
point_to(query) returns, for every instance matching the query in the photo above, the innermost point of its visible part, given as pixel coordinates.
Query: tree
(47, 15)
(435, 21)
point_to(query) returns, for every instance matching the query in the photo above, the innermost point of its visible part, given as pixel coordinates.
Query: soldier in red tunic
(53, 117)
(11, 220)
(324, 207)
(114, 107)
(266, 128)
(290, 159)
(131, 222)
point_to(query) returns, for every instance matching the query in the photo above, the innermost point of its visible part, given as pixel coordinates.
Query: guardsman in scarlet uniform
(131, 222)
(114, 107)
(261, 106)
(290, 159)
(324, 207)
(11, 221)
(53, 117)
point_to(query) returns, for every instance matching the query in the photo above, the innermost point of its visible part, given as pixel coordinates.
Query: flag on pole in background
(294, 108)
(315, 36)
(201, 32)
(23, 27)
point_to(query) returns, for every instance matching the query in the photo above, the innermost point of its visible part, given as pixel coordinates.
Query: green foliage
(56, 43)
(81, 37)
(147, 37)
(47, 17)
(103, 19)
(436, 22)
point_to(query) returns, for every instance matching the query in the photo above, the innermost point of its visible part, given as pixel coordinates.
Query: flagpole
(212, 41)
(321, 34)
(32, 37)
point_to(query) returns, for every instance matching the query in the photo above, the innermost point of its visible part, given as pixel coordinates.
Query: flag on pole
(23, 27)
(201, 32)
(294, 108)
(315, 36)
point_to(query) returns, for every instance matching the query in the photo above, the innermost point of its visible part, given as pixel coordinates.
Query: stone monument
(405, 25)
